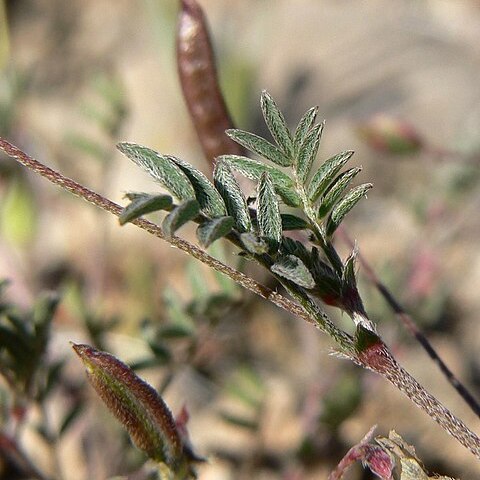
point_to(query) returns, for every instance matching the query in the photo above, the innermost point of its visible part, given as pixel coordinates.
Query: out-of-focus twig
(411, 327)
(15, 454)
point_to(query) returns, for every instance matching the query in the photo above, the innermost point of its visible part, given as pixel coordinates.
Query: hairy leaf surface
(179, 216)
(209, 199)
(260, 146)
(276, 124)
(161, 167)
(143, 203)
(293, 269)
(268, 213)
(228, 187)
(214, 229)
(304, 126)
(253, 170)
(326, 173)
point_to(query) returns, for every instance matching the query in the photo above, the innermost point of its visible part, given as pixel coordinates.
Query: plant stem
(412, 328)
(376, 357)
(192, 250)
(16, 455)
(379, 359)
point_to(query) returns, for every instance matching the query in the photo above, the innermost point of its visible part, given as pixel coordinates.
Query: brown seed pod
(199, 81)
(136, 405)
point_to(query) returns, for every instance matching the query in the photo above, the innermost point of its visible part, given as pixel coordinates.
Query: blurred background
(396, 81)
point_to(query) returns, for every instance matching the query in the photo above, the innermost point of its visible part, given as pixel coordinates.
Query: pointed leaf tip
(143, 203)
(304, 126)
(268, 213)
(161, 167)
(260, 146)
(326, 173)
(336, 190)
(230, 190)
(345, 205)
(276, 124)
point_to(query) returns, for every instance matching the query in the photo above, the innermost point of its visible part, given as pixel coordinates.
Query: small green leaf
(161, 167)
(268, 213)
(214, 229)
(253, 243)
(238, 421)
(260, 146)
(292, 222)
(209, 199)
(228, 187)
(175, 331)
(338, 187)
(293, 269)
(253, 170)
(136, 405)
(349, 277)
(142, 204)
(326, 173)
(179, 216)
(308, 152)
(276, 124)
(175, 309)
(304, 126)
(344, 206)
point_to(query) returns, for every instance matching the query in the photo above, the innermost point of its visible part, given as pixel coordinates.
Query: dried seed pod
(136, 405)
(199, 80)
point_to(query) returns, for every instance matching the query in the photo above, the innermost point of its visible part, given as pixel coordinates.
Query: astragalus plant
(310, 271)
